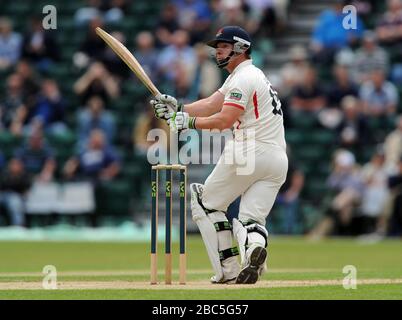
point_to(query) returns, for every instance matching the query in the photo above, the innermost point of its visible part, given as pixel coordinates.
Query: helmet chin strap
(224, 62)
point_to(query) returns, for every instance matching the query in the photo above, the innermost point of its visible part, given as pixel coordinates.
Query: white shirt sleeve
(237, 92)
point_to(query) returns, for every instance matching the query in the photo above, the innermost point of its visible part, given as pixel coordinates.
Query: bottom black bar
(201, 309)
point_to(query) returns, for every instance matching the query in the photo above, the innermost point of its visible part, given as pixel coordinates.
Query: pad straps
(253, 226)
(223, 226)
(230, 252)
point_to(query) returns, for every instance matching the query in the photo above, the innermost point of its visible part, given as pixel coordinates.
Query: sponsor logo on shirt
(235, 96)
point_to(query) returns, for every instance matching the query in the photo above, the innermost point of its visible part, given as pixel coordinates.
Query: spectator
(342, 86)
(288, 197)
(2, 161)
(179, 52)
(292, 72)
(182, 85)
(92, 48)
(329, 35)
(114, 10)
(389, 27)
(13, 99)
(346, 189)
(37, 158)
(14, 183)
(331, 116)
(368, 58)
(167, 24)
(10, 44)
(380, 97)
(265, 16)
(50, 108)
(87, 13)
(353, 132)
(393, 145)
(31, 81)
(375, 194)
(146, 54)
(308, 96)
(112, 61)
(110, 11)
(95, 117)
(39, 46)
(96, 81)
(194, 16)
(98, 162)
(231, 13)
(365, 8)
(207, 76)
(144, 124)
(395, 185)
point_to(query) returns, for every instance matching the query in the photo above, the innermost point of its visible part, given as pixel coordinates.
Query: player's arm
(222, 120)
(205, 107)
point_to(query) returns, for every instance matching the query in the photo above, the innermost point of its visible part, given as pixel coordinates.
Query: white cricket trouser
(258, 189)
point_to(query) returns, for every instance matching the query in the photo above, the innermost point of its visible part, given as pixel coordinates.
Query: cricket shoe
(223, 281)
(251, 273)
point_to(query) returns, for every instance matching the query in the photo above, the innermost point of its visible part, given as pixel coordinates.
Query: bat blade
(128, 59)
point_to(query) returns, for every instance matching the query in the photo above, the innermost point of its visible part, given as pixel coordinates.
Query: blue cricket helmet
(232, 34)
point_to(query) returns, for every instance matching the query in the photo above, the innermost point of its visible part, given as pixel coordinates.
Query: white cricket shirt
(248, 88)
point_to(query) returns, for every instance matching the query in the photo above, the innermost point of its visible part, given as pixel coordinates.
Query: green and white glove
(180, 121)
(164, 106)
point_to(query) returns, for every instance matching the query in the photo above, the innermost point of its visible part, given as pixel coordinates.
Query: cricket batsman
(246, 101)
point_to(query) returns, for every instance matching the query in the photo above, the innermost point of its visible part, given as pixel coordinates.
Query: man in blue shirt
(96, 162)
(330, 34)
(37, 157)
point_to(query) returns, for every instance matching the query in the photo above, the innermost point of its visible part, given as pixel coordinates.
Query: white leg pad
(210, 238)
(208, 232)
(240, 234)
(230, 266)
(214, 241)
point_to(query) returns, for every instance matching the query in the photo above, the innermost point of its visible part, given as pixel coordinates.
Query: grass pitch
(297, 269)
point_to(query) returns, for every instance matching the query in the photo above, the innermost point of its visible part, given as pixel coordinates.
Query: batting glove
(180, 121)
(164, 106)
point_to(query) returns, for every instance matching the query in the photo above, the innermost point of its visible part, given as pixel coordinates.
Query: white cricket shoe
(255, 267)
(223, 281)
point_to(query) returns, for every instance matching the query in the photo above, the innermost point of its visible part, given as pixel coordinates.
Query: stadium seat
(8, 143)
(64, 146)
(76, 198)
(113, 198)
(305, 121)
(42, 199)
(17, 9)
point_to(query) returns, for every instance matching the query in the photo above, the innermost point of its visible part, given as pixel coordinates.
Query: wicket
(168, 222)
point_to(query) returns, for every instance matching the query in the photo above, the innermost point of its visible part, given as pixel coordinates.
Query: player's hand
(180, 121)
(164, 106)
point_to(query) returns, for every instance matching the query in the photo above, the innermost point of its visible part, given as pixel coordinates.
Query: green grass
(290, 259)
(374, 292)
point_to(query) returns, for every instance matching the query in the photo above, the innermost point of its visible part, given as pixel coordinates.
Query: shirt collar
(242, 65)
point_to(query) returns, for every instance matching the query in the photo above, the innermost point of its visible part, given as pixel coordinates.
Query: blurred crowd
(36, 108)
(346, 79)
(349, 81)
